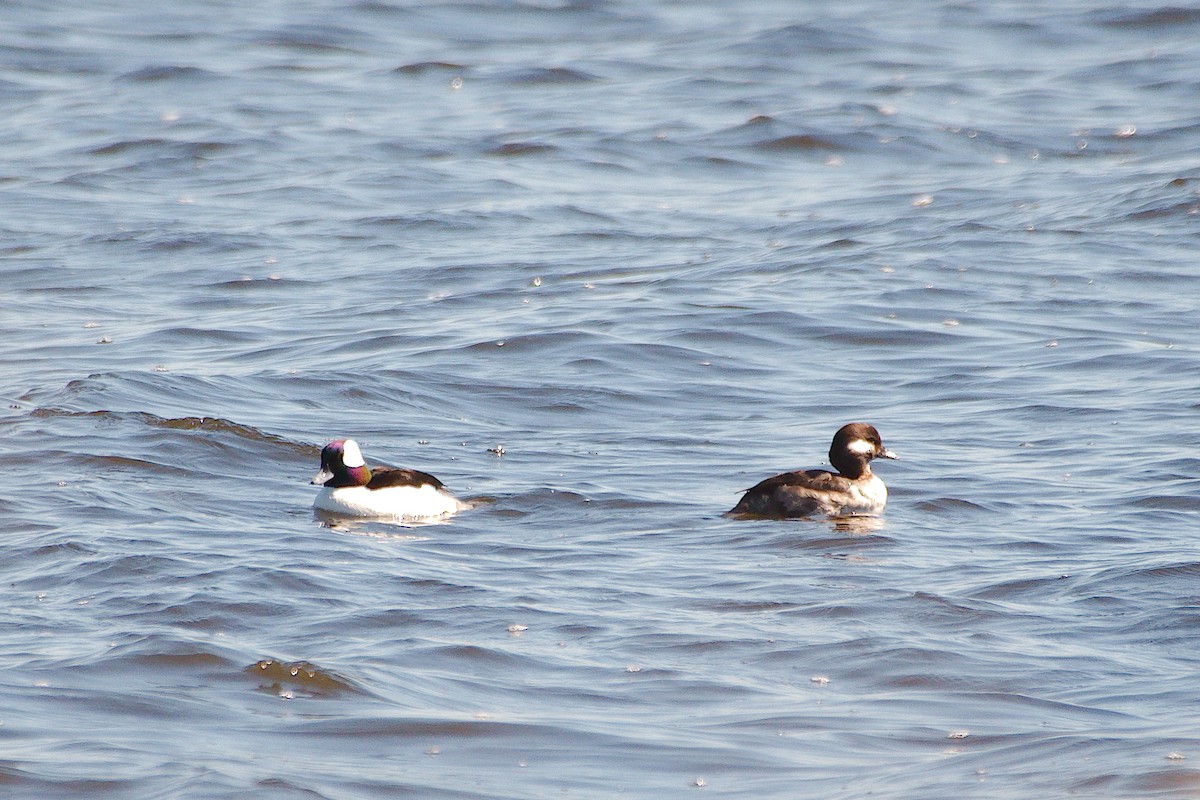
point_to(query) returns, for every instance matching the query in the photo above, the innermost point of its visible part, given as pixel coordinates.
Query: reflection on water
(858, 525)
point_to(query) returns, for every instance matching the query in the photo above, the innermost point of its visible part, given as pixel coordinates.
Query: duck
(852, 490)
(350, 487)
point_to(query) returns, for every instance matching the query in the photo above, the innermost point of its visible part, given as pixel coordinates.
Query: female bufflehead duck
(351, 488)
(853, 489)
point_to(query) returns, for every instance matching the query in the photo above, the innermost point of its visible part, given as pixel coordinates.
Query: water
(657, 252)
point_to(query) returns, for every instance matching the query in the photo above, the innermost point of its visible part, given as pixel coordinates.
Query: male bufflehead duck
(853, 489)
(350, 487)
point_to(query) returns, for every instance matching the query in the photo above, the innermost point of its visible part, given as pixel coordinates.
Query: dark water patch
(800, 142)
(426, 67)
(115, 463)
(929, 682)
(1185, 467)
(550, 76)
(1168, 781)
(482, 656)
(715, 162)
(172, 438)
(67, 788)
(1149, 19)
(842, 244)
(163, 148)
(542, 500)
(799, 40)
(893, 337)
(829, 611)
(950, 505)
(424, 223)
(188, 423)
(197, 612)
(1145, 363)
(849, 535)
(1016, 703)
(752, 607)
(155, 654)
(159, 240)
(525, 148)
(1166, 632)
(1040, 587)
(268, 787)
(389, 618)
(425, 728)
(732, 342)
(14, 91)
(573, 340)
(299, 678)
(68, 550)
(114, 568)
(780, 137)
(167, 73)
(951, 610)
(1048, 411)
(182, 336)
(929, 301)
(120, 148)
(870, 658)
(1177, 503)
(1183, 209)
(317, 40)
(269, 283)
(1154, 578)
(211, 424)
(204, 242)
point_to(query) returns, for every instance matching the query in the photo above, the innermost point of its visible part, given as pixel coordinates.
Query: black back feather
(387, 476)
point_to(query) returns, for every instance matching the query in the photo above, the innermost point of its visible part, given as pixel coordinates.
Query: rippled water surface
(654, 252)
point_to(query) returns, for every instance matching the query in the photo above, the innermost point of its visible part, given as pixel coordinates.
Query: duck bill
(888, 454)
(320, 478)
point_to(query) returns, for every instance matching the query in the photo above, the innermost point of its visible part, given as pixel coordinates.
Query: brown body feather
(853, 489)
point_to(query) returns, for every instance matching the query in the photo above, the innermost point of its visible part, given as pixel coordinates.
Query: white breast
(866, 497)
(402, 502)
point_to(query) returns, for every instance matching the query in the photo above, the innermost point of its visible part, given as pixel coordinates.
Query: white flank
(351, 455)
(399, 502)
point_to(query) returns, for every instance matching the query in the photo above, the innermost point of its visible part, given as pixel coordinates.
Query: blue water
(654, 252)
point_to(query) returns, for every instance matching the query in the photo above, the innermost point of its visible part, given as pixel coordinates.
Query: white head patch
(351, 455)
(860, 446)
